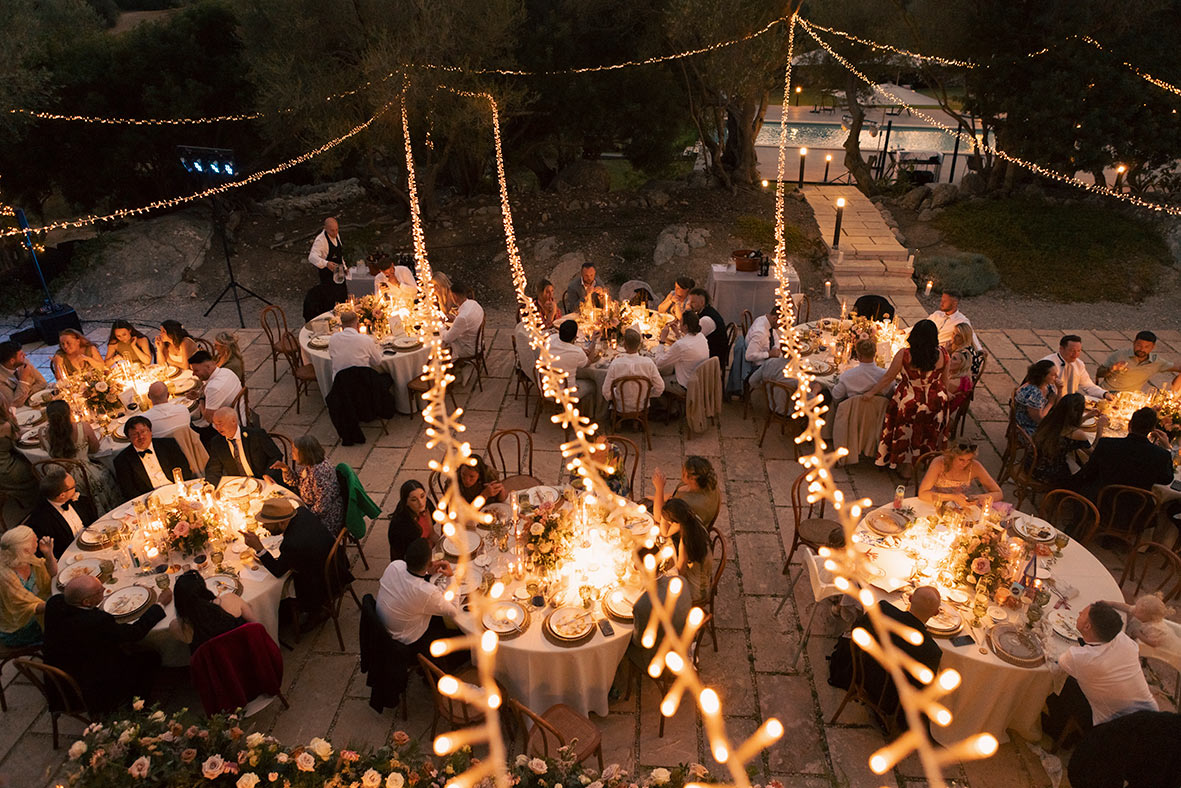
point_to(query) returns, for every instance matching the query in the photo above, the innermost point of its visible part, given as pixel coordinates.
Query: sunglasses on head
(965, 446)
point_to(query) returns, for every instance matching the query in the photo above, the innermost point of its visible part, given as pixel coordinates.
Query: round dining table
(401, 365)
(259, 588)
(997, 696)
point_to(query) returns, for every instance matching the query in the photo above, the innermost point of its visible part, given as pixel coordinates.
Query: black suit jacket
(261, 452)
(87, 644)
(129, 468)
(305, 548)
(46, 520)
(1134, 461)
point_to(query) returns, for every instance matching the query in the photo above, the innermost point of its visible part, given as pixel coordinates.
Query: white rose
(660, 776)
(395, 780)
(248, 780)
(321, 748)
(254, 739)
(213, 767)
(537, 766)
(282, 757)
(537, 529)
(522, 760)
(78, 749)
(157, 716)
(305, 762)
(371, 779)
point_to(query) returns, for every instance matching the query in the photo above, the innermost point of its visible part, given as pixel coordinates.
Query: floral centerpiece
(1168, 408)
(148, 747)
(371, 313)
(189, 525)
(980, 553)
(547, 536)
(92, 390)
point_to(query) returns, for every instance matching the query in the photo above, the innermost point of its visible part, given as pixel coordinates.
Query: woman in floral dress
(318, 486)
(916, 418)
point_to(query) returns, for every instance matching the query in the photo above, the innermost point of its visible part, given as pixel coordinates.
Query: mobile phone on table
(962, 640)
(606, 628)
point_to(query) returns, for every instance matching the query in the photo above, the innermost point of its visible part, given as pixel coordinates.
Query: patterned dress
(916, 418)
(320, 490)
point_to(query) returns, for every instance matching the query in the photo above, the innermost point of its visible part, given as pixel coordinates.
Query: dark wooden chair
(1069, 512)
(8, 654)
(637, 673)
(629, 457)
(73, 467)
(631, 389)
(1125, 513)
(882, 702)
(304, 376)
(455, 712)
(281, 340)
(520, 377)
(511, 453)
(287, 446)
(717, 549)
(959, 416)
(921, 464)
(776, 391)
(1165, 579)
(335, 593)
(206, 345)
(812, 528)
(62, 694)
(477, 360)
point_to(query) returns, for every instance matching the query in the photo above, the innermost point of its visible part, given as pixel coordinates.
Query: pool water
(831, 135)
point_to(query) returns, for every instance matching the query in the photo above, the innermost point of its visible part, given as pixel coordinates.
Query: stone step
(853, 265)
(852, 285)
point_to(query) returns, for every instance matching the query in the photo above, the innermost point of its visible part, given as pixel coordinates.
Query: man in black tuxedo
(147, 463)
(1135, 460)
(240, 452)
(304, 551)
(61, 514)
(89, 644)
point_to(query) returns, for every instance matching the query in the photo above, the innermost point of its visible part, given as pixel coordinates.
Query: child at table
(1147, 622)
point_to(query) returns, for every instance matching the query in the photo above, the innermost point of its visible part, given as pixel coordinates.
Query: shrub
(971, 274)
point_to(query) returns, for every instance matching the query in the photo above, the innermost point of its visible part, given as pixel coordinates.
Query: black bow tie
(144, 452)
(66, 506)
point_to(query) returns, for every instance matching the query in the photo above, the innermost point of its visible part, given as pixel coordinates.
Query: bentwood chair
(1069, 512)
(511, 453)
(881, 700)
(747, 320)
(287, 446)
(8, 654)
(281, 340)
(779, 409)
(812, 529)
(637, 672)
(520, 376)
(1166, 581)
(456, 713)
(1125, 513)
(959, 418)
(334, 586)
(559, 726)
(919, 469)
(629, 402)
(206, 345)
(629, 457)
(476, 360)
(717, 549)
(61, 692)
(435, 486)
(73, 467)
(304, 376)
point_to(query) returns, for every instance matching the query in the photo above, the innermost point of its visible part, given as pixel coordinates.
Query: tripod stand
(219, 227)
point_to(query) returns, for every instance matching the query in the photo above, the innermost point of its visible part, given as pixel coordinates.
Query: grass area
(1068, 253)
(760, 233)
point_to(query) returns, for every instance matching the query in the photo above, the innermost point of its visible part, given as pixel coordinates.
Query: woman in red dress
(916, 418)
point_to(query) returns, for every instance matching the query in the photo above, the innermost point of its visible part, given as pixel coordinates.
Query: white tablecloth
(732, 291)
(262, 594)
(996, 696)
(403, 367)
(359, 282)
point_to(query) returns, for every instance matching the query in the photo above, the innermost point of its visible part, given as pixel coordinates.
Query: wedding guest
(411, 607)
(674, 302)
(965, 364)
(350, 348)
(1072, 372)
(1060, 435)
(693, 561)
(221, 388)
(678, 362)
(1036, 395)
(174, 345)
(201, 616)
(128, 343)
(25, 584)
(762, 343)
(461, 336)
(75, 354)
(1134, 461)
(638, 653)
(855, 381)
(394, 274)
(16, 474)
(713, 325)
(65, 439)
(1123, 371)
(583, 286)
(698, 488)
(166, 414)
(443, 293)
(948, 316)
(240, 452)
(60, 514)
(1106, 680)
(360, 392)
(327, 256)
(90, 645)
(1137, 749)
(19, 379)
(411, 519)
(227, 354)
(631, 364)
(303, 552)
(1149, 622)
(480, 479)
(316, 482)
(570, 358)
(958, 476)
(547, 305)
(915, 421)
(149, 462)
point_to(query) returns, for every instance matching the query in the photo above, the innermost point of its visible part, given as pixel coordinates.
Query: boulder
(943, 194)
(696, 237)
(545, 248)
(590, 175)
(569, 265)
(913, 198)
(148, 259)
(972, 184)
(656, 198)
(313, 197)
(671, 243)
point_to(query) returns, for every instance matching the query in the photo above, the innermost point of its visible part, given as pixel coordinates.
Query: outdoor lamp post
(1119, 177)
(836, 230)
(803, 158)
(827, 161)
(799, 90)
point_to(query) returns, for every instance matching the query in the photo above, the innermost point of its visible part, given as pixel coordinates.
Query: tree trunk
(748, 118)
(854, 162)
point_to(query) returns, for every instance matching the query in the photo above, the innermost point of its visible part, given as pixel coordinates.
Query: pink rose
(401, 738)
(181, 530)
(981, 565)
(139, 769)
(213, 767)
(187, 755)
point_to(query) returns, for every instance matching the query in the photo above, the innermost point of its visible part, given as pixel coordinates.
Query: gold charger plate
(885, 522)
(1016, 645)
(129, 601)
(507, 618)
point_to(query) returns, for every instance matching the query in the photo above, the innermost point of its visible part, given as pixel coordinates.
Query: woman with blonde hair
(443, 293)
(965, 363)
(25, 585)
(952, 475)
(227, 354)
(75, 353)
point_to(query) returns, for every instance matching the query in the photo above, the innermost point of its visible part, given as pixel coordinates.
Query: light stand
(50, 318)
(211, 165)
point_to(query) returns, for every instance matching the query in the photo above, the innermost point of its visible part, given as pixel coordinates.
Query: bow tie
(144, 452)
(66, 506)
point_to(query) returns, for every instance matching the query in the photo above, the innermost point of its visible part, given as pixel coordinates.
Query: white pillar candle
(927, 290)
(828, 289)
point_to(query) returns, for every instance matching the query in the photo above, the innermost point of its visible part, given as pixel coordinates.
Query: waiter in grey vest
(327, 256)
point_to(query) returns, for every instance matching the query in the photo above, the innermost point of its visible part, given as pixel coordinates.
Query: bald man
(166, 416)
(235, 451)
(327, 255)
(89, 644)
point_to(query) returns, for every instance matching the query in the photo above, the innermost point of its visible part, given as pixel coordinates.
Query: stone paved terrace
(751, 669)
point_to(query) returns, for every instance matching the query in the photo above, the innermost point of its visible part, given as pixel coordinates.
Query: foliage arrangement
(547, 536)
(189, 526)
(95, 389)
(148, 747)
(979, 555)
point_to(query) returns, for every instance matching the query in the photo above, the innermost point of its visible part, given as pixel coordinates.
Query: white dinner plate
(240, 487)
(463, 543)
(40, 398)
(27, 417)
(504, 617)
(86, 566)
(126, 601)
(181, 386)
(543, 494)
(571, 623)
(318, 342)
(223, 584)
(1035, 530)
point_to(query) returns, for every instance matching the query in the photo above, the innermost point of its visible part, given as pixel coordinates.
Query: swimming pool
(831, 135)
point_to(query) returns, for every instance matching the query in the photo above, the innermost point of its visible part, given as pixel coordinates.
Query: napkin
(1066, 590)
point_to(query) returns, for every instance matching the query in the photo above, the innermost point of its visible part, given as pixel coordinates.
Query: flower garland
(149, 747)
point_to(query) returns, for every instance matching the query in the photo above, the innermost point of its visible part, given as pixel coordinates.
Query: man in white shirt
(221, 388)
(409, 605)
(19, 379)
(327, 253)
(859, 379)
(462, 335)
(166, 417)
(676, 301)
(678, 362)
(1106, 669)
(632, 364)
(570, 358)
(350, 348)
(394, 275)
(762, 343)
(948, 316)
(57, 515)
(1073, 377)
